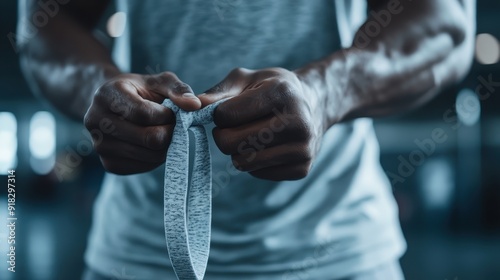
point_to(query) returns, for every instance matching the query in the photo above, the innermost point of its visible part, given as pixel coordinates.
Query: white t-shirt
(339, 220)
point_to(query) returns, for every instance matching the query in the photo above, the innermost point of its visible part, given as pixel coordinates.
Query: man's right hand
(138, 127)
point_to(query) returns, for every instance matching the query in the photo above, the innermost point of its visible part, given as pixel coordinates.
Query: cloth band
(188, 208)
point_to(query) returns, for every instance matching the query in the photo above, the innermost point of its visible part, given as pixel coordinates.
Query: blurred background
(448, 191)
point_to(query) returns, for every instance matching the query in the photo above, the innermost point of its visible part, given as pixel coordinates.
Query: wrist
(325, 82)
(313, 97)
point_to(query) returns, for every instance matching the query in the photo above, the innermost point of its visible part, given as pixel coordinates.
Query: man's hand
(272, 125)
(140, 127)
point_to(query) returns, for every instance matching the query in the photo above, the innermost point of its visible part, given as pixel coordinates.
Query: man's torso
(339, 219)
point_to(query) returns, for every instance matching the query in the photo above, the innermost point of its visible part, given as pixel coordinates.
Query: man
(309, 199)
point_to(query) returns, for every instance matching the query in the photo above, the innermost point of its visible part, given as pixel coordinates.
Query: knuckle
(108, 165)
(153, 81)
(304, 154)
(301, 174)
(159, 157)
(222, 113)
(154, 138)
(92, 119)
(99, 148)
(303, 171)
(237, 71)
(88, 121)
(164, 78)
(307, 132)
(141, 112)
(167, 75)
(238, 163)
(180, 87)
(120, 85)
(134, 111)
(281, 94)
(285, 90)
(101, 94)
(224, 147)
(222, 141)
(301, 130)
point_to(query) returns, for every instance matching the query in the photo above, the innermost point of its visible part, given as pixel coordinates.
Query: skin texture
(143, 127)
(273, 125)
(269, 126)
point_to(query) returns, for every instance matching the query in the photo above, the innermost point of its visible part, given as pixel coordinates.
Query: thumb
(170, 86)
(213, 95)
(232, 85)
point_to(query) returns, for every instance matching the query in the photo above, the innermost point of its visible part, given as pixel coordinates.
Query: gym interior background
(447, 187)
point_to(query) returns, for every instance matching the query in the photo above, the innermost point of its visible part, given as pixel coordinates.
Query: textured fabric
(188, 210)
(339, 220)
(388, 271)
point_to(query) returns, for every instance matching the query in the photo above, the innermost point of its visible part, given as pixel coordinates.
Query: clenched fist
(141, 128)
(273, 124)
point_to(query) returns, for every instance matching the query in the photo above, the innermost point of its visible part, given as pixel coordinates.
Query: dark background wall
(449, 196)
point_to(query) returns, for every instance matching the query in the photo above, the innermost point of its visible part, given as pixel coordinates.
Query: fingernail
(189, 95)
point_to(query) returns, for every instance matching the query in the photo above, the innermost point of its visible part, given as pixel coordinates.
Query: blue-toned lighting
(8, 142)
(42, 142)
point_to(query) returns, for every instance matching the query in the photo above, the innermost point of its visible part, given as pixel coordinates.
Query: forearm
(64, 63)
(405, 65)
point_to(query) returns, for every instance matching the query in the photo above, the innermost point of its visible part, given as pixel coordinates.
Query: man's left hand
(271, 126)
